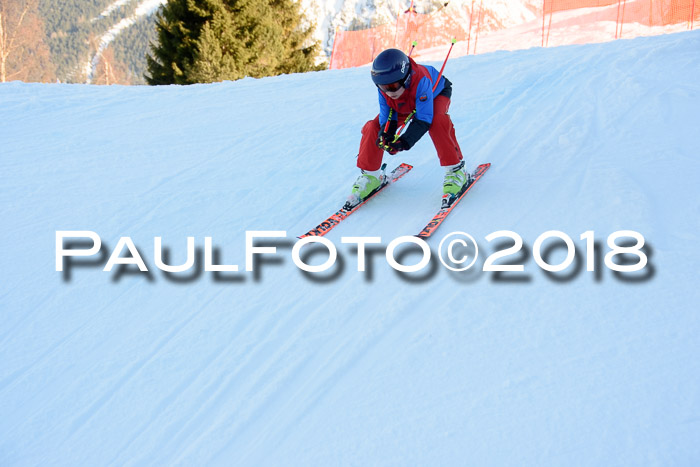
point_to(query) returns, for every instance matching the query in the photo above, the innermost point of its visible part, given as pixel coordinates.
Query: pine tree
(203, 41)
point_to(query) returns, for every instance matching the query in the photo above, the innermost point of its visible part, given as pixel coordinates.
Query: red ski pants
(442, 132)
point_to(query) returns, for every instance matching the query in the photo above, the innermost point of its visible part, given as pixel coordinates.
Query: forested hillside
(74, 28)
(132, 45)
(106, 41)
(98, 41)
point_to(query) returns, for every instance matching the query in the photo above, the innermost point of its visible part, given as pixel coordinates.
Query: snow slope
(429, 368)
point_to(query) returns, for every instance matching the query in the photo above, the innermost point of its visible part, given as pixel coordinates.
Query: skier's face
(396, 94)
(393, 90)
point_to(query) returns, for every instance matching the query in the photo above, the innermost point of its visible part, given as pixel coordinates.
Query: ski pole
(399, 129)
(413, 46)
(437, 81)
(388, 121)
(403, 125)
(410, 116)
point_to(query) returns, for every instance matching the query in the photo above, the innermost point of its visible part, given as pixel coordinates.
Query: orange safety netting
(552, 6)
(644, 12)
(356, 48)
(659, 12)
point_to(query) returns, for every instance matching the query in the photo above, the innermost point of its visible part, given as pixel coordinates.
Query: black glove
(397, 146)
(386, 137)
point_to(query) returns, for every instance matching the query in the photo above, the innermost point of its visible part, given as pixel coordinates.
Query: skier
(405, 86)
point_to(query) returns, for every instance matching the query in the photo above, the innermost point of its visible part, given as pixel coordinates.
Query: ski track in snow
(107, 11)
(365, 369)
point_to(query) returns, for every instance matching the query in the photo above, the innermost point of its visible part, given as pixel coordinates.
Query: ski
(326, 226)
(449, 202)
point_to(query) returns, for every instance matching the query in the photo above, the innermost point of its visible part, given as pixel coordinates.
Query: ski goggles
(391, 87)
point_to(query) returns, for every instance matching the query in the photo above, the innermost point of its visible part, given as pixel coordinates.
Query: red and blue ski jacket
(418, 96)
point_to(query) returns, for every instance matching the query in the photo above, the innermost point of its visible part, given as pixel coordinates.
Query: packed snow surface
(278, 367)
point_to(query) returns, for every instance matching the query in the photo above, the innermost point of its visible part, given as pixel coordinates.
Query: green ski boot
(366, 184)
(456, 177)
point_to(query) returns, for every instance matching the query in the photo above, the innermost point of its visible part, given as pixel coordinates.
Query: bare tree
(109, 70)
(23, 53)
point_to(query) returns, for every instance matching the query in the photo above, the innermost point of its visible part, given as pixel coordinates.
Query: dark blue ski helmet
(390, 66)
